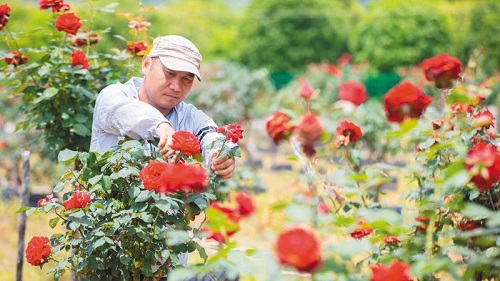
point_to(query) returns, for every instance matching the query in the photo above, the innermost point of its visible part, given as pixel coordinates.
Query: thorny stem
(491, 201)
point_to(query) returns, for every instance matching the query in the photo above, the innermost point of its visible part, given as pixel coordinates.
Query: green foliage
(484, 30)
(398, 33)
(286, 35)
(232, 93)
(57, 97)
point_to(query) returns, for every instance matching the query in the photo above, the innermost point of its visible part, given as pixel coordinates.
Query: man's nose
(175, 85)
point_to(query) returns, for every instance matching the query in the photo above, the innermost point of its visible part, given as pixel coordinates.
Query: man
(153, 106)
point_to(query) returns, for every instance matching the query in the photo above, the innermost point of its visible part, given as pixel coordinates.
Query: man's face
(165, 88)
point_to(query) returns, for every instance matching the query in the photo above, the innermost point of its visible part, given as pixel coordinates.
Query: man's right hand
(165, 132)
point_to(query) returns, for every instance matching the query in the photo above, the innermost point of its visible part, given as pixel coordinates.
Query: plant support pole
(22, 217)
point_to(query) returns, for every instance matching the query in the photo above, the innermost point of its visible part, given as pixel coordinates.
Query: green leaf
(405, 127)
(95, 179)
(124, 259)
(67, 156)
(143, 196)
(472, 210)
(22, 209)
(106, 183)
(53, 222)
(176, 237)
(493, 220)
(81, 130)
(59, 187)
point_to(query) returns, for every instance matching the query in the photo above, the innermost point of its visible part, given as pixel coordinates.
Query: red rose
(222, 230)
(391, 239)
(150, 175)
(300, 248)
(483, 163)
(16, 58)
(78, 58)
(396, 271)
(45, 4)
(68, 23)
(352, 91)
(361, 231)
(182, 177)
(347, 132)
(186, 143)
(442, 69)
(334, 71)
(306, 91)
(77, 200)
(405, 100)
(344, 59)
(56, 5)
(137, 48)
(483, 120)
(4, 15)
(278, 127)
(309, 129)
(38, 250)
(232, 132)
(48, 198)
(246, 206)
(468, 225)
(83, 38)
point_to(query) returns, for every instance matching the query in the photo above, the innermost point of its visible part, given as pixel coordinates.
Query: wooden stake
(22, 217)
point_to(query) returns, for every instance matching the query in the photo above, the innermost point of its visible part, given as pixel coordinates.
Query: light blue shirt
(119, 112)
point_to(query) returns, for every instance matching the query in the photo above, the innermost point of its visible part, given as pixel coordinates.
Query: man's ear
(147, 63)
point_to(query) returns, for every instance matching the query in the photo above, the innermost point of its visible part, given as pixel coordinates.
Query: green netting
(377, 85)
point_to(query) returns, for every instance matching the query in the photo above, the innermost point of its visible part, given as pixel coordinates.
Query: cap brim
(180, 65)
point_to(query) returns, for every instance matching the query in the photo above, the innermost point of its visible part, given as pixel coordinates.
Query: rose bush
(445, 226)
(128, 214)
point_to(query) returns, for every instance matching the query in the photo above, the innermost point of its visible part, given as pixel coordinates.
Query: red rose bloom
(300, 248)
(306, 91)
(4, 15)
(15, 58)
(468, 225)
(309, 129)
(230, 225)
(246, 206)
(361, 231)
(278, 127)
(344, 59)
(78, 58)
(56, 5)
(232, 132)
(483, 163)
(404, 101)
(38, 250)
(353, 91)
(137, 48)
(396, 271)
(77, 200)
(68, 23)
(83, 38)
(442, 69)
(181, 177)
(391, 239)
(150, 175)
(334, 71)
(186, 143)
(48, 198)
(347, 132)
(483, 120)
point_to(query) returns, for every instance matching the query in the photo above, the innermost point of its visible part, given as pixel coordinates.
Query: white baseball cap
(177, 53)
